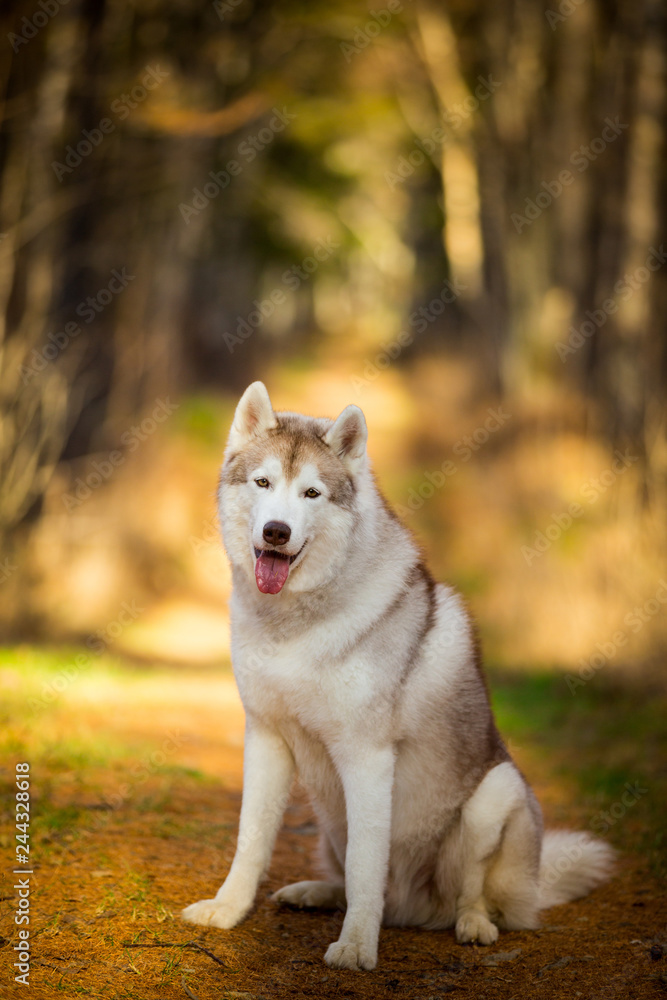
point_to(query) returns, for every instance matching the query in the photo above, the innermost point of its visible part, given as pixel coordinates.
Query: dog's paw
(350, 955)
(475, 927)
(323, 895)
(213, 913)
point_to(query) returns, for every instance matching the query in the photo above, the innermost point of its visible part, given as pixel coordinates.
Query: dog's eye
(264, 483)
(312, 493)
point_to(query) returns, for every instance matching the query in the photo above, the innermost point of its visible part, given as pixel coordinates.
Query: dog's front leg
(367, 780)
(268, 767)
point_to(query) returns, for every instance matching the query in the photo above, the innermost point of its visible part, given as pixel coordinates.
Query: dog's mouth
(272, 569)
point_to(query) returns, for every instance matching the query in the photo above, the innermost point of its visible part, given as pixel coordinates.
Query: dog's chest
(291, 684)
(280, 685)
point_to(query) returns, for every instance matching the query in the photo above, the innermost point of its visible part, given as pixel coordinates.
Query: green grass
(605, 736)
(597, 740)
(80, 771)
(41, 687)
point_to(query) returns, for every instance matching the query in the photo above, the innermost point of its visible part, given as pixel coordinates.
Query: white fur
(377, 704)
(571, 865)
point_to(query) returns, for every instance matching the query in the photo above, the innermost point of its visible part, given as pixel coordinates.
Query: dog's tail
(571, 865)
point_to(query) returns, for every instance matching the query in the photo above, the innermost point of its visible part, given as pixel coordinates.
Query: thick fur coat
(361, 674)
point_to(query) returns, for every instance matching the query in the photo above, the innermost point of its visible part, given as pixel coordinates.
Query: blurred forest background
(449, 213)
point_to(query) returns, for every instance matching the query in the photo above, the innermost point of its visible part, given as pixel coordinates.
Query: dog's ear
(254, 416)
(347, 438)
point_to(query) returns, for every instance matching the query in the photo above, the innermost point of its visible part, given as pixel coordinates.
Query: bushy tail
(572, 864)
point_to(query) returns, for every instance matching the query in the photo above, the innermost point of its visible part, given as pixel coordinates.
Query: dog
(361, 674)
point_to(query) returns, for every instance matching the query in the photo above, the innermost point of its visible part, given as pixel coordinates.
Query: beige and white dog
(360, 674)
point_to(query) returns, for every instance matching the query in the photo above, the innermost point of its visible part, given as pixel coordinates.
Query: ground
(135, 791)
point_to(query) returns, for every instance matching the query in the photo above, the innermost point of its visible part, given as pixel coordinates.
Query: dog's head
(289, 492)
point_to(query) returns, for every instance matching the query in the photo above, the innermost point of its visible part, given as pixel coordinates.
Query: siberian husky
(361, 674)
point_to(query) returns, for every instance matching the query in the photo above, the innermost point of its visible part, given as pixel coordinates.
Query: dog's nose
(276, 532)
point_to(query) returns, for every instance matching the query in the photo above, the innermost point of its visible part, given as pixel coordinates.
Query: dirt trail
(108, 891)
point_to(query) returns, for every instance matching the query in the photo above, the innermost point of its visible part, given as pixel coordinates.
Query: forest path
(135, 795)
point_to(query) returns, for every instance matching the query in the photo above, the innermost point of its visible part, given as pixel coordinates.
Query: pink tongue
(271, 572)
